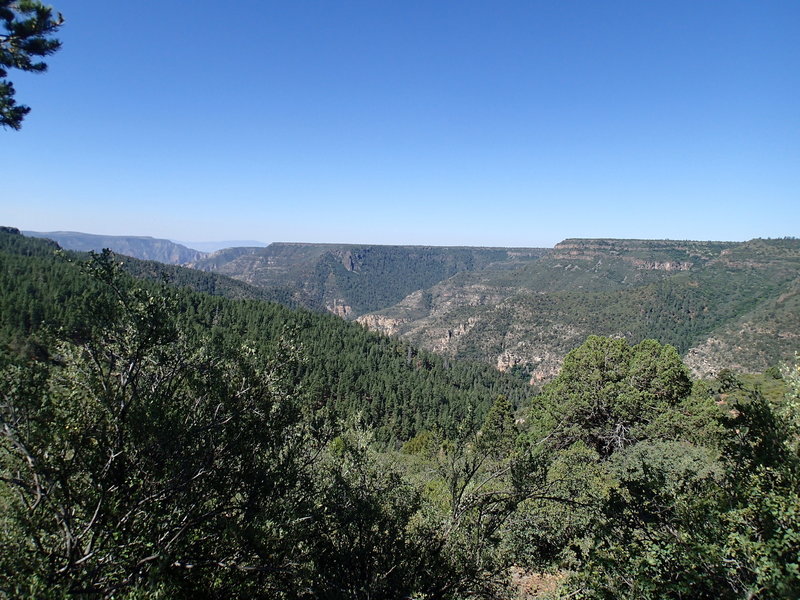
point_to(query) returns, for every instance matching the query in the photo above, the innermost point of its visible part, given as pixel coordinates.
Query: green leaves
(125, 458)
(704, 504)
(499, 432)
(28, 25)
(608, 391)
(367, 539)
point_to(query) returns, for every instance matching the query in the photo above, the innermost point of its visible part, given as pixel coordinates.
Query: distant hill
(214, 246)
(350, 280)
(14, 241)
(722, 304)
(146, 248)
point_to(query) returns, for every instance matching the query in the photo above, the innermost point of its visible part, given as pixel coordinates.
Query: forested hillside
(157, 441)
(349, 280)
(395, 388)
(721, 304)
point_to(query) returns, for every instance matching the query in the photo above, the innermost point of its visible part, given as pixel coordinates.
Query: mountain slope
(682, 293)
(722, 304)
(146, 248)
(350, 280)
(349, 371)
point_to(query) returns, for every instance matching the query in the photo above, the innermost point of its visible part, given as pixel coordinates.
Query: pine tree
(29, 26)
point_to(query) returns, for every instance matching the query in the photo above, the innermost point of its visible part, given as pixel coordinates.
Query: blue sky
(413, 122)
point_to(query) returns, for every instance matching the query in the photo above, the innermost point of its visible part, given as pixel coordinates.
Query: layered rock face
(381, 324)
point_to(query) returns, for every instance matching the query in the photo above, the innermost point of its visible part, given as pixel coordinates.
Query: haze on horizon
(454, 123)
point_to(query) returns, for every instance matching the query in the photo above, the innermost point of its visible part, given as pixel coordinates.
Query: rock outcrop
(381, 324)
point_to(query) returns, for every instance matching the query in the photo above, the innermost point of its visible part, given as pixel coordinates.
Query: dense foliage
(28, 29)
(148, 454)
(396, 388)
(161, 442)
(677, 494)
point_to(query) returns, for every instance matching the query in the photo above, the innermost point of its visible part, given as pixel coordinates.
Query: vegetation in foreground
(146, 453)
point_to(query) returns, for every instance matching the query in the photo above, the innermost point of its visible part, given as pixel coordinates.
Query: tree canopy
(29, 27)
(608, 391)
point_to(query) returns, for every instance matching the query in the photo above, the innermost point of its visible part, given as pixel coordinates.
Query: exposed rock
(367, 278)
(348, 262)
(447, 341)
(142, 247)
(340, 309)
(381, 324)
(502, 307)
(530, 586)
(507, 360)
(668, 265)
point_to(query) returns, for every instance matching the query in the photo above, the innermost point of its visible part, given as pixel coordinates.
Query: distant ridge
(352, 279)
(143, 247)
(721, 304)
(221, 245)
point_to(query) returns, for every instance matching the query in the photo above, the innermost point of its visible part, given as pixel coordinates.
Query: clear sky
(413, 122)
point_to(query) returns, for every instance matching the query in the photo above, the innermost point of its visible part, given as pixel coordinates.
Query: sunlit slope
(712, 296)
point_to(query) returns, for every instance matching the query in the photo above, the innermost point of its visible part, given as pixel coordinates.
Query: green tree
(717, 519)
(369, 539)
(498, 433)
(608, 392)
(146, 458)
(29, 26)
